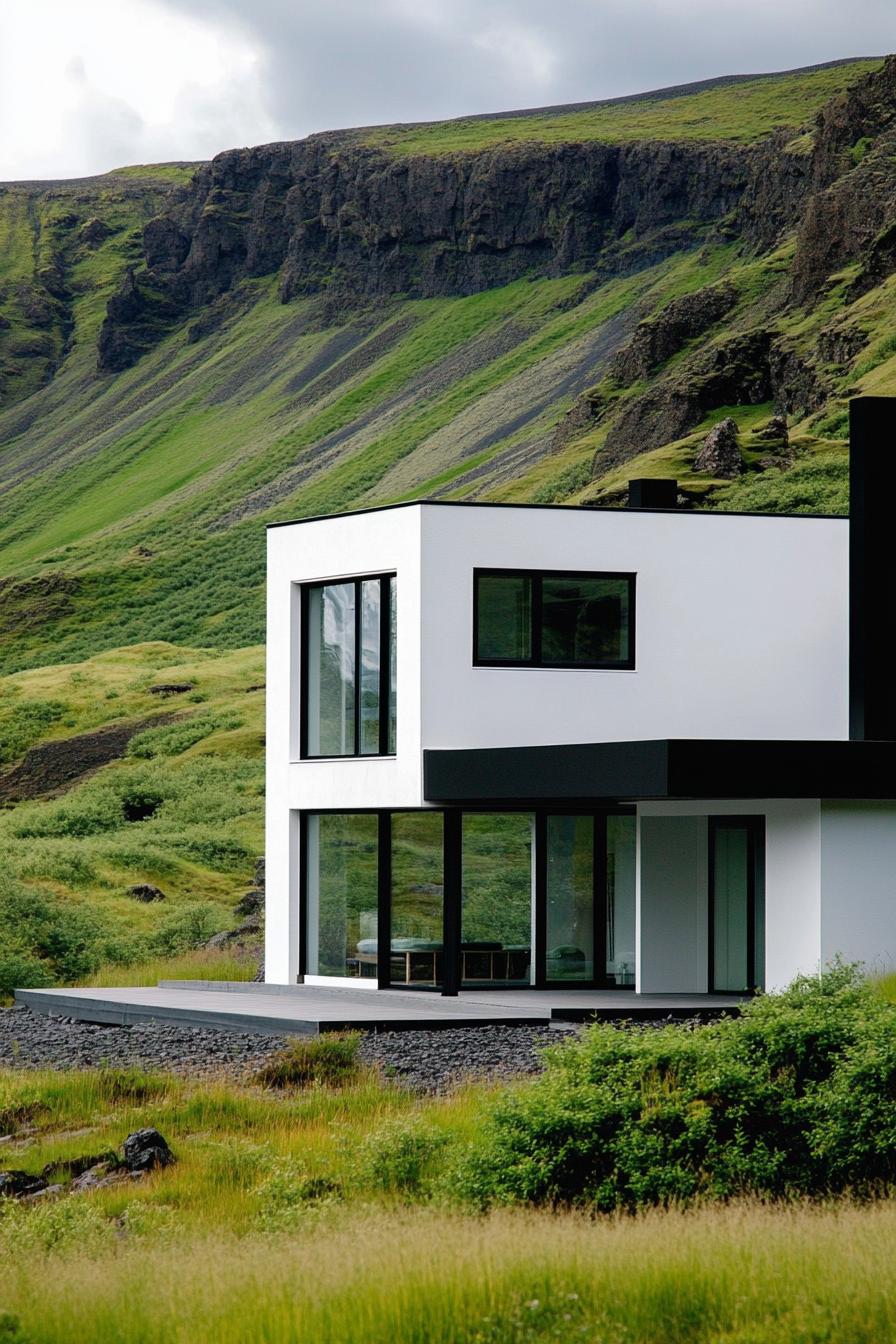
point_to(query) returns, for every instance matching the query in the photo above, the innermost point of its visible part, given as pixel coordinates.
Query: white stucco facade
(740, 634)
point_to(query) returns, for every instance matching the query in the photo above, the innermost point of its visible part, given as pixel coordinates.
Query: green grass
(741, 112)
(326, 1205)
(203, 964)
(275, 1224)
(205, 774)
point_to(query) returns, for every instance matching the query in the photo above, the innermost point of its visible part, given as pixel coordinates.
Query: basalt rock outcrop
(658, 339)
(329, 214)
(720, 454)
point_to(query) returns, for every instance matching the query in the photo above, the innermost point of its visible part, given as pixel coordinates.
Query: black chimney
(872, 575)
(655, 492)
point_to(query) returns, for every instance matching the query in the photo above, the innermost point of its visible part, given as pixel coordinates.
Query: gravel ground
(30, 1040)
(433, 1061)
(428, 1061)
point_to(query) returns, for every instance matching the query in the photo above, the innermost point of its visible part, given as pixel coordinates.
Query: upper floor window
(348, 667)
(524, 618)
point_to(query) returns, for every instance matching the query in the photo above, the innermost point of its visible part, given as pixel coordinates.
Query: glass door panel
(569, 896)
(418, 896)
(341, 894)
(496, 910)
(736, 906)
(620, 922)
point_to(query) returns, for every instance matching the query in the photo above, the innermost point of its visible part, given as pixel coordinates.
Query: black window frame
(536, 576)
(385, 582)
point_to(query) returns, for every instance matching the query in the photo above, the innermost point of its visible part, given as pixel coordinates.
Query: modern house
(646, 749)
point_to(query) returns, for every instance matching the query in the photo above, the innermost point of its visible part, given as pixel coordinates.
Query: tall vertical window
(736, 904)
(349, 667)
(523, 618)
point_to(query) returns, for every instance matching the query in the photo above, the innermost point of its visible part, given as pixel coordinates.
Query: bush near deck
(793, 1097)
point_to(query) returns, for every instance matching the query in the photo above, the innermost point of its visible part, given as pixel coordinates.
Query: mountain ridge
(329, 323)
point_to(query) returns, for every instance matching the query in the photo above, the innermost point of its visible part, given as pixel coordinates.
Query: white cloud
(89, 84)
(92, 85)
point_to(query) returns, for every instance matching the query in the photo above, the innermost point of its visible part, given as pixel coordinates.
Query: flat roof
(667, 768)
(577, 508)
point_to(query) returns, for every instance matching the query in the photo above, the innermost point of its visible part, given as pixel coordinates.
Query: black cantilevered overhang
(665, 768)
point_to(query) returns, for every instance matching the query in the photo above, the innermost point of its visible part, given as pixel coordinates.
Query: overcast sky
(88, 85)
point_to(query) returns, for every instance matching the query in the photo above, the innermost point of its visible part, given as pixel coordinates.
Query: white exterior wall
(331, 549)
(673, 890)
(671, 905)
(858, 883)
(740, 628)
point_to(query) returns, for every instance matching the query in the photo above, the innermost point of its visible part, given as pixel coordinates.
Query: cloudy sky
(88, 85)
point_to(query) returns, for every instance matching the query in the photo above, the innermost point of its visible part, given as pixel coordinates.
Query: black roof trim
(578, 508)
(669, 768)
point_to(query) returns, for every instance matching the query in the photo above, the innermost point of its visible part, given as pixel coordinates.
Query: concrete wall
(332, 548)
(741, 628)
(858, 883)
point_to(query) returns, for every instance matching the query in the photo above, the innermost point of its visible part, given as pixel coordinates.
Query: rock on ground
(720, 454)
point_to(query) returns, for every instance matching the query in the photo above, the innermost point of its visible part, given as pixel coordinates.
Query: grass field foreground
(742, 1275)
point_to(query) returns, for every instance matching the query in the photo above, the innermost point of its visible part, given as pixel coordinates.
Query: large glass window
(341, 894)
(529, 619)
(569, 925)
(524, 898)
(496, 899)
(417, 898)
(349, 665)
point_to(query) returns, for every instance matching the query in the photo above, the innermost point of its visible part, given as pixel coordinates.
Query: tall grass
(739, 1275)
(203, 964)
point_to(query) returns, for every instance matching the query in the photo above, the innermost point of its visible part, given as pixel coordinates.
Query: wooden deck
(308, 1010)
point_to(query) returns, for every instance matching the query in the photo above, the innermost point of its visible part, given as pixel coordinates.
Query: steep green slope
(173, 402)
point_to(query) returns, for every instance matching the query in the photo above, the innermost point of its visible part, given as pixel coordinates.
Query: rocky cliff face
(332, 215)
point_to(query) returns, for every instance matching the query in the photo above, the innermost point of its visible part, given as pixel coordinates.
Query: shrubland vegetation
(182, 809)
(652, 1185)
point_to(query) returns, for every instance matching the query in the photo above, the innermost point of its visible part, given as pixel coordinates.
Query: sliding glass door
(417, 899)
(450, 899)
(496, 899)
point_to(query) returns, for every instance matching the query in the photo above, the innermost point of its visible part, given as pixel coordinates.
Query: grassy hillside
(742, 111)
(133, 503)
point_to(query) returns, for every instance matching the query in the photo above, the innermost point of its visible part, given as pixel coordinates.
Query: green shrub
(287, 1194)
(398, 1153)
(22, 722)
(186, 928)
(214, 851)
(10, 1329)
(66, 940)
(19, 969)
(173, 738)
(793, 1097)
(330, 1060)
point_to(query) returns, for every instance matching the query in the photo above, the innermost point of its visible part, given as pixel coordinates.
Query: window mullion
(536, 620)
(384, 688)
(357, 667)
